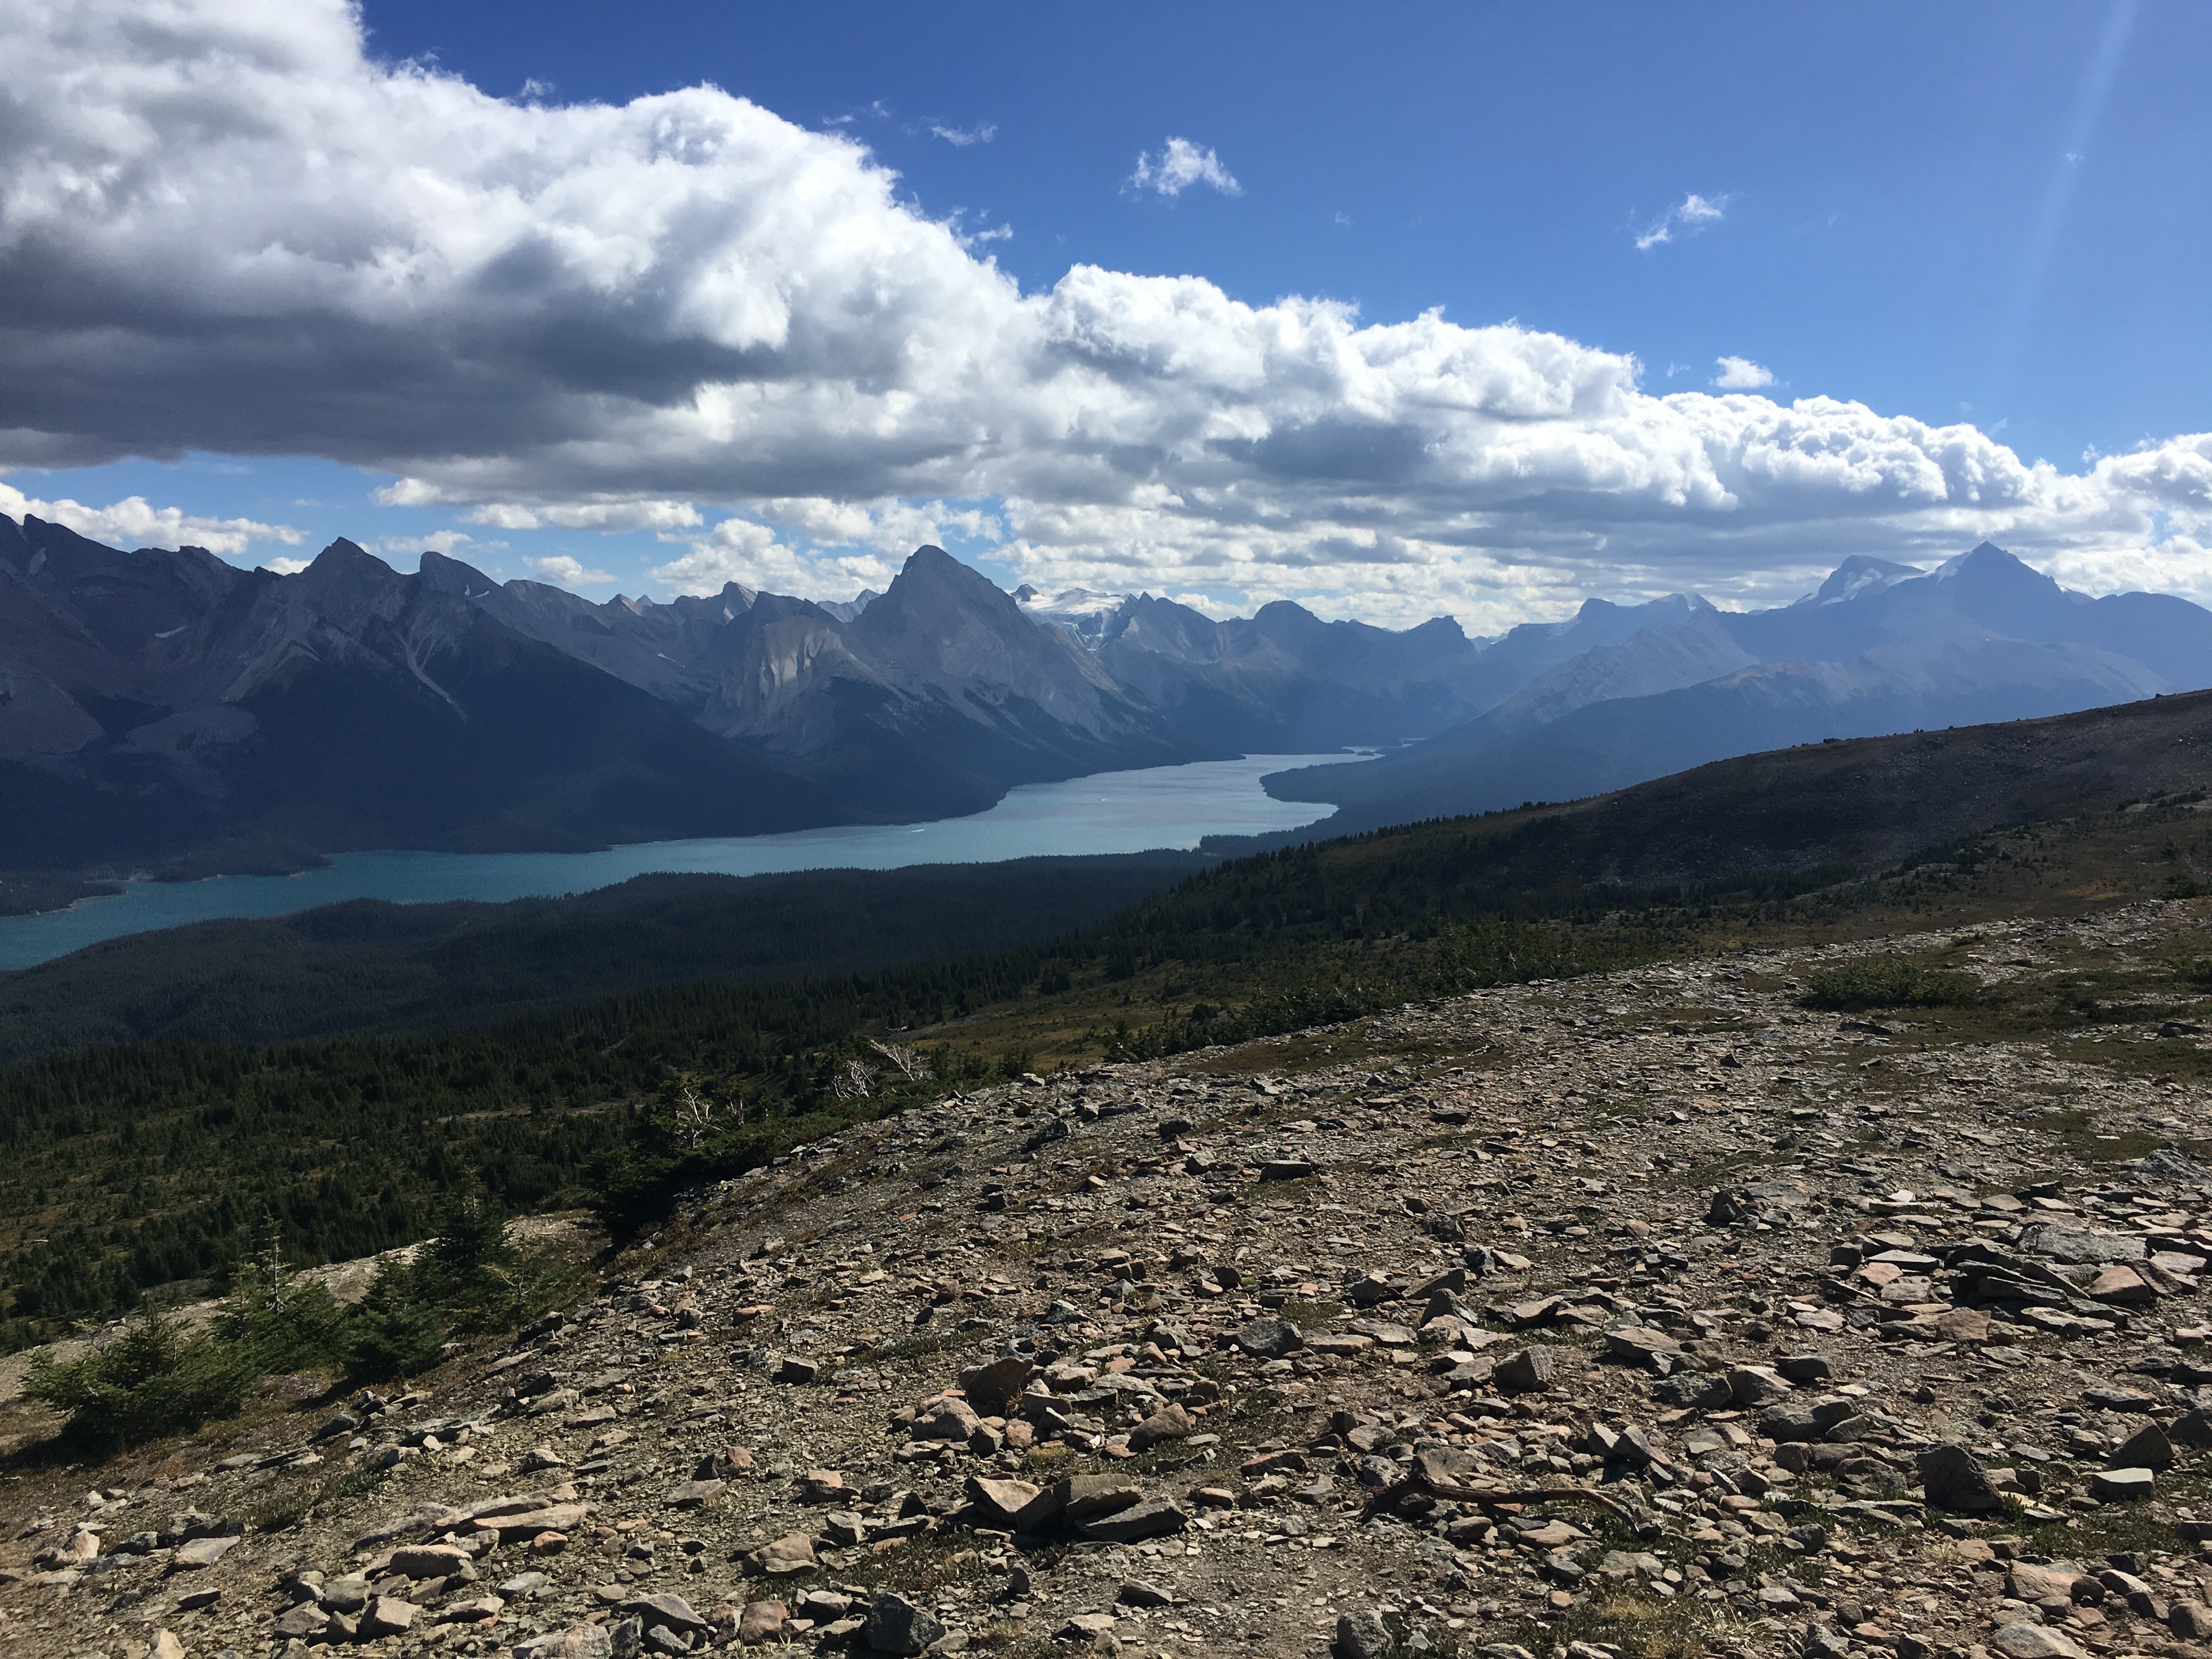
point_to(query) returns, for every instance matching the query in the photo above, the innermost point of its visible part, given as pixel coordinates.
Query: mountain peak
(1987, 563)
(1859, 574)
(343, 554)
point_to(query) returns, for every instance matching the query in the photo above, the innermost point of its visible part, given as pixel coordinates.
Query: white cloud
(567, 572)
(237, 232)
(447, 542)
(133, 522)
(1741, 375)
(962, 137)
(1179, 165)
(284, 567)
(596, 513)
(889, 525)
(1692, 214)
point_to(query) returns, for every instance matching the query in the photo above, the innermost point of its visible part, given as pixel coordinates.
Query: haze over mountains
(167, 706)
(1877, 648)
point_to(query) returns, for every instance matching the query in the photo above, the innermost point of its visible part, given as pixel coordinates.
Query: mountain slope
(1495, 763)
(1878, 649)
(175, 703)
(930, 699)
(1851, 805)
(939, 695)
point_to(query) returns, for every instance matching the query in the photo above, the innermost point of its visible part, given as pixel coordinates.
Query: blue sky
(1979, 231)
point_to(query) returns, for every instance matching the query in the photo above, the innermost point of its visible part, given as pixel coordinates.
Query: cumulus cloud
(596, 512)
(962, 137)
(134, 522)
(888, 526)
(567, 571)
(239, 232)
(447, 542)
(284, 567)
(1741, 375)
(1179, 165)
(1692, 214)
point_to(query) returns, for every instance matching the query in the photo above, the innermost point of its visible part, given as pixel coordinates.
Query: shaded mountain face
(154, 705)
(163, 703)
(929, 699)
(1879, 648)
(938, 693)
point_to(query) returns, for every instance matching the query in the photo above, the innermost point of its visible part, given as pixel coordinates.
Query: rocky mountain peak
(1860, 574)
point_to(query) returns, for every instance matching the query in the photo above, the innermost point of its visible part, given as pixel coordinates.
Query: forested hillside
(369, 966)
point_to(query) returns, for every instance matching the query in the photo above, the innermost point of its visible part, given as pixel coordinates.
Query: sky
(1451, 309)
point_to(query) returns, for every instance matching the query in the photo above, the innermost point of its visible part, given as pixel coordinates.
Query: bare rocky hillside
(1650, 1313)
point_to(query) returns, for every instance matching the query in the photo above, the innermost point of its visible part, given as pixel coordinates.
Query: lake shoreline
(1169, 808)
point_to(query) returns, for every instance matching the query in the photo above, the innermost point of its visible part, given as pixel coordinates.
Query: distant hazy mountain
(1080, 612)
(1879, 648)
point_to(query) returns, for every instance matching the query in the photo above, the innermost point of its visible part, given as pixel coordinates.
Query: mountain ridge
(169, 710)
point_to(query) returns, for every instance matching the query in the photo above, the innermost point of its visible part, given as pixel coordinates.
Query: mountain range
(1877, 648)
(168, 710)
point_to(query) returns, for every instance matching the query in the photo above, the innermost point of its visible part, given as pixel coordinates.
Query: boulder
(2191, 1428)
(664, 1608)
(1643, 1344)
(1361, 1635)
(760, 1620)
(430, 1561)
(479, 1610)
(1755, 1385)
(1002, 1498)
(2033, 1641)
(304, 1621)
(897, 1626)
(1080, 1497)
(197, 1552)
(695, 1494)
(577, 1642)
(948, 1419)
(523, 1524)
(1954, 1480)
(793, 1552)
(1170, 1422)
(386, 1615)
(2122, 1485)
(2078, 1248)
(1155, 1518)
(2147, 1447)
(1270, 1338)
(995, 1389)
(2122, 1286)
(1529, 1371)
(2190, 1620)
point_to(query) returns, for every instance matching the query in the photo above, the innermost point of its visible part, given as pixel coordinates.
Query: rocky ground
(1642, 1314)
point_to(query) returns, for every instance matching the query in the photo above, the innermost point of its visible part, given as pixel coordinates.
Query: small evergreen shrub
(154, 1379)
(1888, 982)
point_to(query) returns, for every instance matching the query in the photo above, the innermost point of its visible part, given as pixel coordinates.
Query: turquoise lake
(1164, 806)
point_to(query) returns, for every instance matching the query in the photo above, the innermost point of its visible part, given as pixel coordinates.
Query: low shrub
(1888, 982)
(153, 1380)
